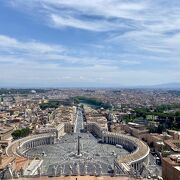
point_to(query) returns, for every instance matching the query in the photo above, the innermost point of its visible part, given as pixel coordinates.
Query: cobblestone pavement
(62, 159)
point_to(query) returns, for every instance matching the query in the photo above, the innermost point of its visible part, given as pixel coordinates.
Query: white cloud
(152, 16)
(148, 31)
(95, 15)
(145, 24)
(107, 8)
(59, 21)
(130, 62)
(36, 74)
(31, 46)
(173, 41)
(23, 52)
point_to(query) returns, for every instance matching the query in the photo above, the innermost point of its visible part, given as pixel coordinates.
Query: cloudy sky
(89, 43)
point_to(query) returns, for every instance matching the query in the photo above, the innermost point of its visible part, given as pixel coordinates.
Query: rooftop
(4, 129)
(173, 144)
(5, 162)
(174, 160)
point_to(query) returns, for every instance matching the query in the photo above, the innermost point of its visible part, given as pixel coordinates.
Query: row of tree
(167, 120)
(50, 104)
(92, 101)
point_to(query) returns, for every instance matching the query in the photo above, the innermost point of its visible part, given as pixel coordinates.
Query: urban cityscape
(90, 132)
(89, 90)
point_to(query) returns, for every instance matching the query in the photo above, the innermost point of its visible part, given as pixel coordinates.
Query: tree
(50, 104)
(20, 133)
(161, 128)
(16, 134)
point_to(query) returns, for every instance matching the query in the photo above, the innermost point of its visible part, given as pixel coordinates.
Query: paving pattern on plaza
(62, 159)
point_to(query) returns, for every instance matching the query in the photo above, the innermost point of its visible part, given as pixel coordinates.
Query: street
(79, 123)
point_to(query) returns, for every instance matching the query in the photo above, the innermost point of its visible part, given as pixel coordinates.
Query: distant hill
(166, 86)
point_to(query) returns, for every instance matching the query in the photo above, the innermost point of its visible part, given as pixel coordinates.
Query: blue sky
(97, 43)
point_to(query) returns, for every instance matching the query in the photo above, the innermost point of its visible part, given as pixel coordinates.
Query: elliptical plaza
(85, 150)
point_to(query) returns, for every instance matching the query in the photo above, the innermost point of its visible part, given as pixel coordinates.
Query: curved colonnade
(19, 147)
(139, 151)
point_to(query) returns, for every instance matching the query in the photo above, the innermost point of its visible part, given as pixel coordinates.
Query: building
(175, 134)
(93, 116)
(5, 132)
(136, 130)
(173, 145)
(7, 166)
(64, 118)
(171, 167)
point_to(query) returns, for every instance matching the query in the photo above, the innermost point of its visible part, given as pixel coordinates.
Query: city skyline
(98, 43)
